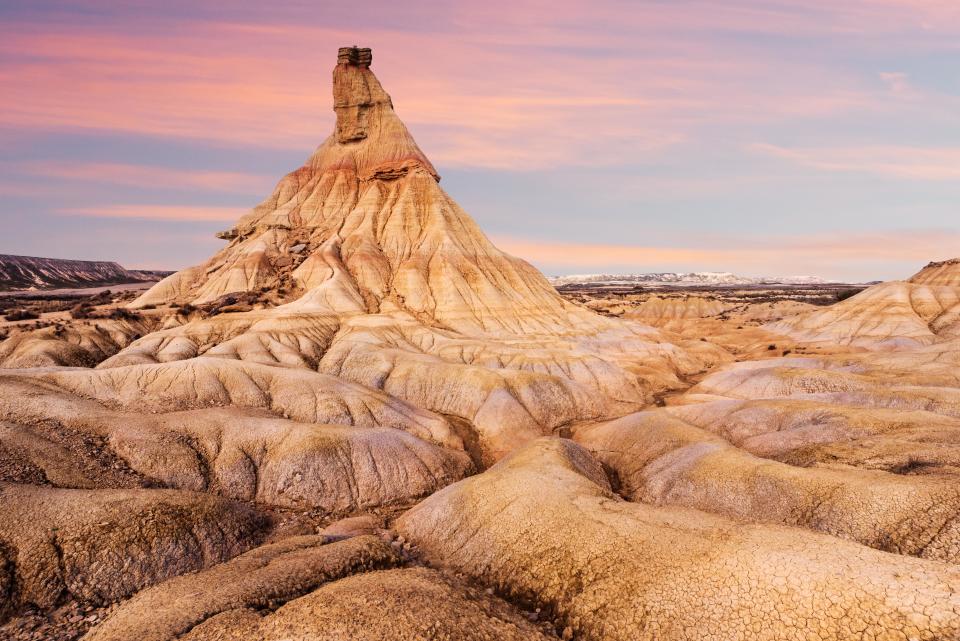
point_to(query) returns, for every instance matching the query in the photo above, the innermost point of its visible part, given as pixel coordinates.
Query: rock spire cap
(355, 56)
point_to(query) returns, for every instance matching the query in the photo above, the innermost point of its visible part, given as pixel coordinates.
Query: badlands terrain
(361, 420)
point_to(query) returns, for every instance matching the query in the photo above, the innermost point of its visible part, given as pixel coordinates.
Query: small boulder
(353, 526)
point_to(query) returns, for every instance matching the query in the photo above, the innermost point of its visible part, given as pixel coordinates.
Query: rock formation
(31, 272)
(922, 310)
(544, 524)
(660, 459)
(72, 345)
(393, 286)
(99, 546)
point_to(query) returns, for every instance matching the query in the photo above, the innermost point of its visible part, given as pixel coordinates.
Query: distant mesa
(31, 272)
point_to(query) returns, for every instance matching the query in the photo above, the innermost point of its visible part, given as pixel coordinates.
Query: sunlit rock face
(392, 285)
(922, 310)
(545, 524)
(364, 228)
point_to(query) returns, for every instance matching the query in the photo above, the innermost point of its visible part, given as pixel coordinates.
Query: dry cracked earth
(361, 420)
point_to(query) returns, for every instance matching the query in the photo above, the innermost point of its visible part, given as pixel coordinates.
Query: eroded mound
(73, 345)
(900, 314)
(261, 579)
(364, 452)
(393, 605)
(101, 545)
(544, 525)
(661, 460)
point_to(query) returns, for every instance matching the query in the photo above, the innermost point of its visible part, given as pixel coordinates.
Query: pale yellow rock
(392, 285)
(659, 459)
(900, 314)
(939, 274)
(349, 447)
(543, 524)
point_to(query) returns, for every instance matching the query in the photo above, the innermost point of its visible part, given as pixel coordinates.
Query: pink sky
(695, 108)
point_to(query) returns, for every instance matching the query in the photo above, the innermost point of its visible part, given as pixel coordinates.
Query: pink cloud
(157, 212)
(17, 188)
(880, 18)
(493, 99)
(915, 163)
(899, 84)
(152, 176)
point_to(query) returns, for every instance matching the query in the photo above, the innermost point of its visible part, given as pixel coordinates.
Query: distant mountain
(681, 279)
(150, 275)
(30, 272)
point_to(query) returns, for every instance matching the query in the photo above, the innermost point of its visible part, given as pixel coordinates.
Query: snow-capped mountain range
(682, 279)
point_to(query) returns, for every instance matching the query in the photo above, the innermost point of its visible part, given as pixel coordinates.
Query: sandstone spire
(356, 93)
(385, 278)
(374, 232)
(368, 135)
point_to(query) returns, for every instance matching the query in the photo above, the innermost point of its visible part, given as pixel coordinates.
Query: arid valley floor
(361, 420)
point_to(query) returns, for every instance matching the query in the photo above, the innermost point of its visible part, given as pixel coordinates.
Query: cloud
(914, 163)
(151, 176)
(498, 97)
(14, 188)
(157, 212)
(899, 84)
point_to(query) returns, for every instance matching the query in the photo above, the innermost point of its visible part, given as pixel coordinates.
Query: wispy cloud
(899, 84)
(151, 176)
(499, 99)
(915, 163)
(156, 212)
